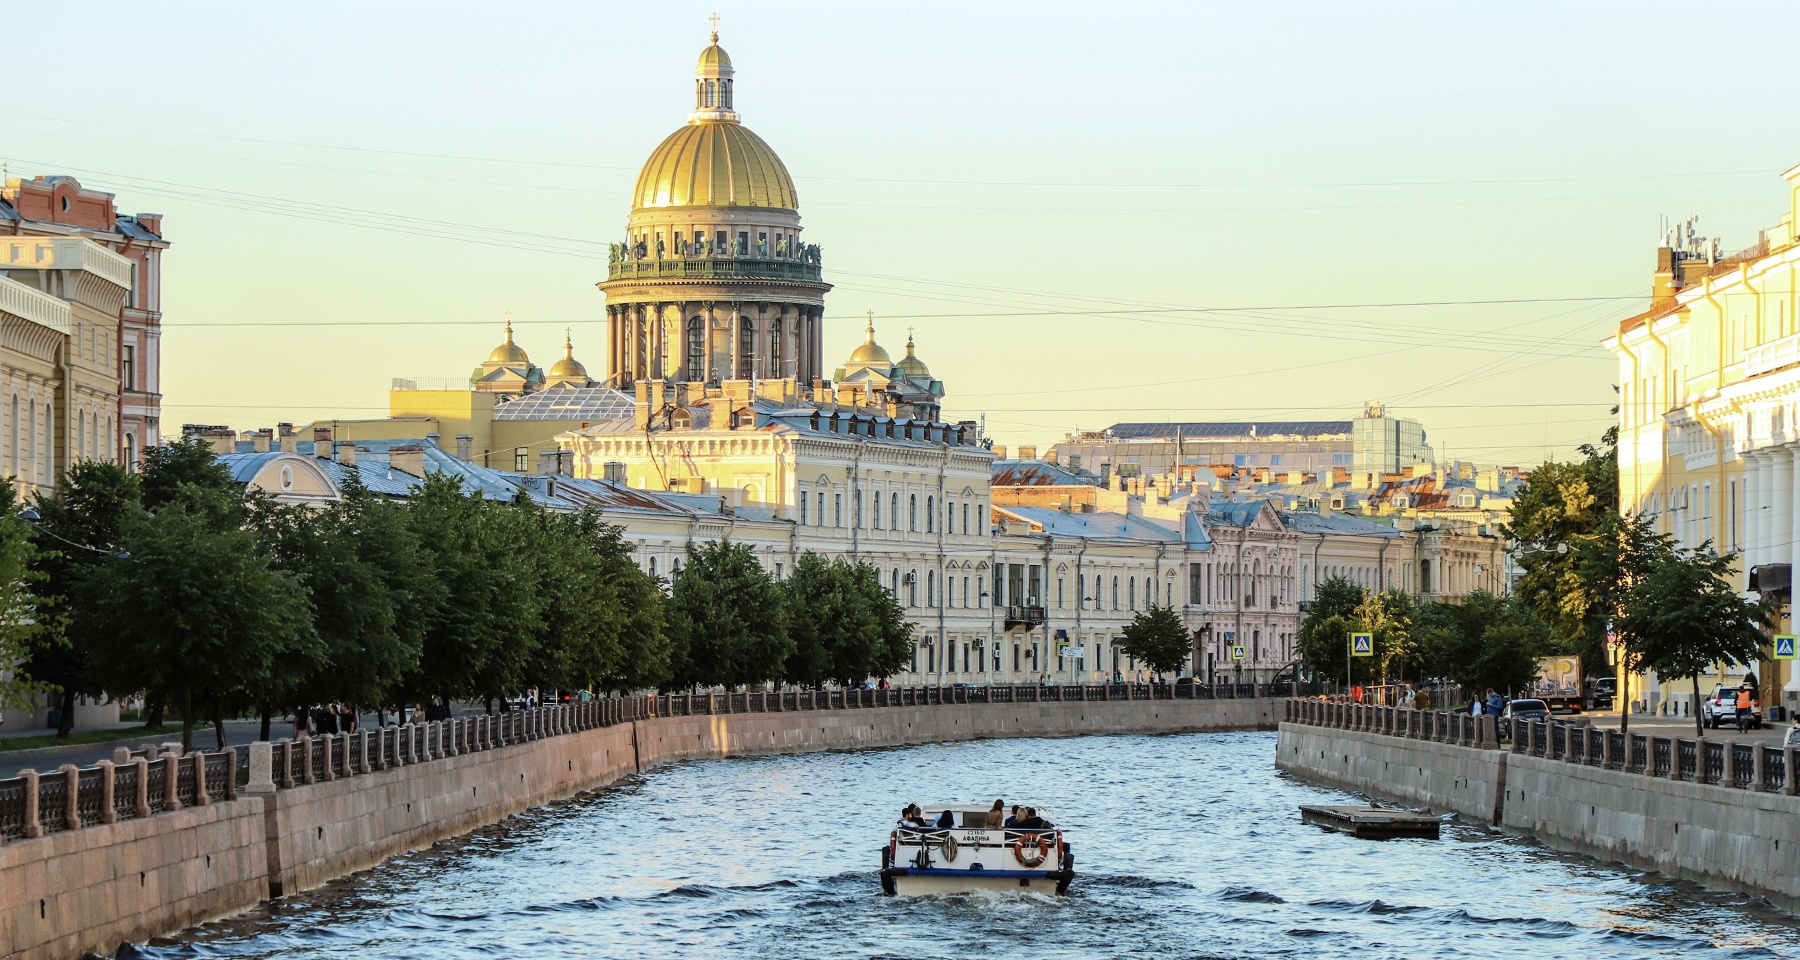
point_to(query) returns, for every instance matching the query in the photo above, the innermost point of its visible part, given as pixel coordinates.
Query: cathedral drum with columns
(712, 282)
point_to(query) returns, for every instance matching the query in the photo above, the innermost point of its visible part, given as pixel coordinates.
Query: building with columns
(1709, 419)
(712, 282)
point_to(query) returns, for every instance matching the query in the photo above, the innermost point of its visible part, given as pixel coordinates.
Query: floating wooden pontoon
(1371, 823)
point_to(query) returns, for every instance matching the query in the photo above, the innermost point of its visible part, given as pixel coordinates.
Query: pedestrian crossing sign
(1784, 647)
(1237, 651)
(1362, 644)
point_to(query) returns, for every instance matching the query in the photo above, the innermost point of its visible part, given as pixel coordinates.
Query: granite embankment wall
(76, 890)
(1722, 814)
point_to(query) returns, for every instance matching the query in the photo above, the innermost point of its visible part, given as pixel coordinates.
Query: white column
(1781, 508)
(1787, 538)
(1749, 490)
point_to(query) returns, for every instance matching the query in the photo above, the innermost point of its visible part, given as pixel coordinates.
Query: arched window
(930, 513)
(912, 512)
(894, 512)
(653, 566)
(1131, 593)
(696, 348)
(876, 524)
(130, 453)
(1115, 605)
(746, 348)
(775, 348)
(711, 93)
(931, 588)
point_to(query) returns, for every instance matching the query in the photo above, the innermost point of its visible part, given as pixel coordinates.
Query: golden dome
(568, 368)
(509, 353)
(912, 366)
(715, 163)
(714, 61)
(871, 354)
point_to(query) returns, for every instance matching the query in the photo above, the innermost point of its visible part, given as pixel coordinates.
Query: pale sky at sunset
(1057, 196)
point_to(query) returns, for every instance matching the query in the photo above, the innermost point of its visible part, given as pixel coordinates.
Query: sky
(1086, 213)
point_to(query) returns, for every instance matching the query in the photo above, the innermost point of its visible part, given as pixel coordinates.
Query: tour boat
(969, 856)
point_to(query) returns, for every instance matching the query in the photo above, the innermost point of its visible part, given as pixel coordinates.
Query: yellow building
(1709, 419)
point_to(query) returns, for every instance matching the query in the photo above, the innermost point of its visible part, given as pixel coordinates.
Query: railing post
(31, 827)
(306, 766)
(329, 772)
(71, 795)
(141, 808)
(262, 779)
(201, 799)
(108, 813)
(171, 781)
(1756, 767)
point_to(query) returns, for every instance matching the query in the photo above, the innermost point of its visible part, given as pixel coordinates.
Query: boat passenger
(1032, 821)
(997, 816)
(1013, 820)
(913, 817)
(947, 818)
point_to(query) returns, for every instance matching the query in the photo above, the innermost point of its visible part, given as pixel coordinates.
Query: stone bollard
(201, 797)
(31, 827)
(363, 743)
(1756, 767)
(121, 755)
(171, 780)
(142, 808)
(304, 745)
(262, 768)
(329, 773)
(108, 811)
(452, 727)
(71, 795)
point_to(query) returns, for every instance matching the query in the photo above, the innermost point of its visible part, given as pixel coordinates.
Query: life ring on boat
(1038, 844)
(948, 846)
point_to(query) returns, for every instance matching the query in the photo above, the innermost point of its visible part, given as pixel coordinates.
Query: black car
(1526, 710)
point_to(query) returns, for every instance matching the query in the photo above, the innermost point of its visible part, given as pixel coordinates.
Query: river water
(1186, 846)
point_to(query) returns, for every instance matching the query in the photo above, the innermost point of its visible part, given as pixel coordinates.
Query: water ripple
(1190, 847)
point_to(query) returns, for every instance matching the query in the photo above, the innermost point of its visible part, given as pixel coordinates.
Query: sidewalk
(131, 735)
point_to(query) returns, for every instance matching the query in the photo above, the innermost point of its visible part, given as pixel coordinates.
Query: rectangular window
(778, 571)
(804, 499)
(521, 459)
(1059, 593)
(1732, 520)
(965, 519)
(820, 515)
(128, 370)
(837, 509)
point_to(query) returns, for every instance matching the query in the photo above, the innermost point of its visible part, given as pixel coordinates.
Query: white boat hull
(921, 861)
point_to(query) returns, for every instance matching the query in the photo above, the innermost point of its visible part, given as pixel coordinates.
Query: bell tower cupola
(712, 82)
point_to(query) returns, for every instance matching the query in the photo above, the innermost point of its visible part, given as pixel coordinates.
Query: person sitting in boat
(1013, 820)
(1032, 821)
(947, 818)
(997, 816)
(912, 816)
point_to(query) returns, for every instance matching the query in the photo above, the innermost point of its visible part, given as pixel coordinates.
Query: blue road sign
(1784, 647)
(1362, 644)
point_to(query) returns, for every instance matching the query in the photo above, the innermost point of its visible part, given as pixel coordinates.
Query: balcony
(1026, 616)
(1772, 355)
(65, 253)
(26, 303)
(714, 268)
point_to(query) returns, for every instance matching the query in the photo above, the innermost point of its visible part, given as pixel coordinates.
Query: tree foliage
(1484, 642)
(845, 626)
(1572, 546)
(727, 619)
(1158, 639)
(1343, 608)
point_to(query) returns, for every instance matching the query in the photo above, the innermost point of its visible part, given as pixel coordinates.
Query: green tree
(22, 611)
(188, 462)
(1570, 536)
(1158, 639)
(1324, 634)
(601, 625)
(199, 615)
(1343, 608)
(76, 536)
(1683, 615)
(845, 626)
(1484, 641)
(727, 618)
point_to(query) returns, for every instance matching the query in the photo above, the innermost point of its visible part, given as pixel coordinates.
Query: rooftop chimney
(408, 459)
(346, 452)
(614, 472)
(465, 444)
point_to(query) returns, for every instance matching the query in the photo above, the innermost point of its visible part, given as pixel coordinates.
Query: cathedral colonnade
(711, 341)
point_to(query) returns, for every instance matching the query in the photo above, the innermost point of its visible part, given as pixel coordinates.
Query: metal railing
(1735, 764)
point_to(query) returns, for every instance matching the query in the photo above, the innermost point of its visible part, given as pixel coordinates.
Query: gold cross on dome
(715, 22)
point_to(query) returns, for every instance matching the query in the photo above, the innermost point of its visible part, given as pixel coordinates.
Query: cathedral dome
(568, 368)
(509, 353)
(870, 353)
(715, 163)
(912, 366)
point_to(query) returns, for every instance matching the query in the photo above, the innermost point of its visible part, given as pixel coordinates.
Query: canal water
(1186, 846)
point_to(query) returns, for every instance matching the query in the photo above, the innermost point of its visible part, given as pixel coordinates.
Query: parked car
(1526, 710)
(1601, 691)
(1721, 708)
